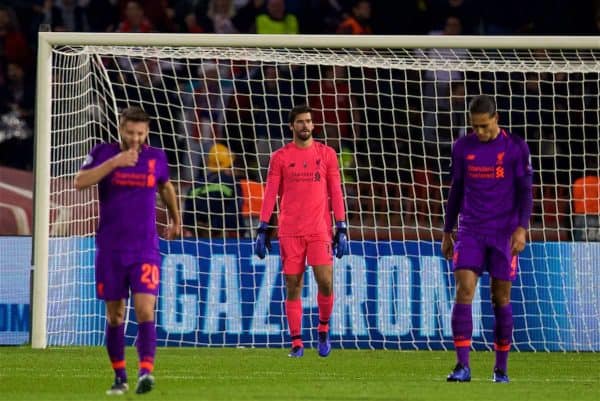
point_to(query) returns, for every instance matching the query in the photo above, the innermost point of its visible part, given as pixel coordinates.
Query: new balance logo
(470, 156)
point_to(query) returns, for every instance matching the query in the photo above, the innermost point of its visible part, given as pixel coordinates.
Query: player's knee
(293, 293)
(144, 313)
(325, 287)
(115, 319)
(293, 285)
(464, 294)
(145, 317)
(500, 300)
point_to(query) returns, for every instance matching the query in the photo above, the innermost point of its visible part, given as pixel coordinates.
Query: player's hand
(263, 240)
(518, 240)
(448, 245)
(173, 230)
(127, 158)
(340, 240)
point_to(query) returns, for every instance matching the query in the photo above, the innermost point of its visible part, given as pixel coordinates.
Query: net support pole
(41, 212)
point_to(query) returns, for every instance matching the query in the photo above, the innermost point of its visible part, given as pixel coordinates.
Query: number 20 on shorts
(150, 276)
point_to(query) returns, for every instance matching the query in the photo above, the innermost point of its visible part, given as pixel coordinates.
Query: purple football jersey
(489, 171)
(128, 199)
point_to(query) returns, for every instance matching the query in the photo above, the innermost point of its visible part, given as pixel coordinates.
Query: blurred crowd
(370, 140)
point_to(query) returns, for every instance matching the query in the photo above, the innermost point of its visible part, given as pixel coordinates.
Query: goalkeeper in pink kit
(306, 177)
(129, 174)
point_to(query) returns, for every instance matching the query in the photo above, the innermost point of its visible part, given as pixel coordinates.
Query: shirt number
(150, 276)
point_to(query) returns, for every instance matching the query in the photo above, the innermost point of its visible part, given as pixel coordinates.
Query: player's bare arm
(169, 197)
(452, 210)
(448, 245)
(518, 240)
(87, 178)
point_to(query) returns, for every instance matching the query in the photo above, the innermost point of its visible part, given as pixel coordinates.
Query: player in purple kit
(492, 191)
(128, 175)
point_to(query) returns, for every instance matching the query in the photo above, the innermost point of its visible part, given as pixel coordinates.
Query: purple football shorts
(485, 252)
(118, 273)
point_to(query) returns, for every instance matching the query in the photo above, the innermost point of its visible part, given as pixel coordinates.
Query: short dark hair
(298, 110)
(134, 114)
(483, 104)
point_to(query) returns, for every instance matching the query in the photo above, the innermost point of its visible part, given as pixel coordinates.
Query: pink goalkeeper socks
(325, 303)
(293, 310)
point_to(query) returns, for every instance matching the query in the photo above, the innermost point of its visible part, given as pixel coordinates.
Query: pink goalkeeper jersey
(308, 183)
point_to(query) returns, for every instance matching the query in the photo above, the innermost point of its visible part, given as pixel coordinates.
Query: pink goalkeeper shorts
(312, 250)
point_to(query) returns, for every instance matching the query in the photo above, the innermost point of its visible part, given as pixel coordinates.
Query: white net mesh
(392, 114)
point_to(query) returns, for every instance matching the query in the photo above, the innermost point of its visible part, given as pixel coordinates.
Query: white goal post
(391, 106)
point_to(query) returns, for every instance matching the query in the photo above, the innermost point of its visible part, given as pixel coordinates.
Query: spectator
(245, 18)
(213, 205)
(190, 16)
(211, 95)
(348, 175)
(204, 99)
(437, 83)
(465, 10)
(13, 45)
(220, 14)
(424, 195)
(253, 193)
(16, 119)
(335, 108)
(160, 15)
(276, 20)
(135, 20)
(18, 93)
(443, 127)
(101, 15)
(586, 203)
(506, 17)
(412, 20)
(147, 86)
(271, 98)
(358, 22)
(192, 25)
(319, 16)
(66, 16)
(158, 12)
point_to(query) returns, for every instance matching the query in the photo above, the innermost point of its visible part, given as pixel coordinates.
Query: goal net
(391, 107)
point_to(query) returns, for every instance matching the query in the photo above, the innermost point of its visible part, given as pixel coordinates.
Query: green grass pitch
(78, 373)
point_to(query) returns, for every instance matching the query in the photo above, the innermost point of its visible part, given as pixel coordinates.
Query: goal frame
(42, 152)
